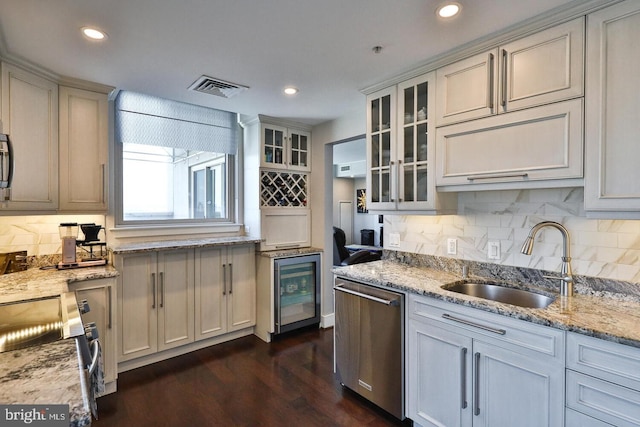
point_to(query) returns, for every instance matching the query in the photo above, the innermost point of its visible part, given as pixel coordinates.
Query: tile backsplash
(599, 248)
(38, 234)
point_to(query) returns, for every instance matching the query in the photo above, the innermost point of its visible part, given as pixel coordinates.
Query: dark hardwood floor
(245, 382)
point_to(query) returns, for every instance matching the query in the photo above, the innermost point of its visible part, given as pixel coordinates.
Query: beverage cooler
(296, 292)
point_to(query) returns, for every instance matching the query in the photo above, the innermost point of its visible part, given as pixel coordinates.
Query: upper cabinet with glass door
(285, 148)
(381, 146)
(401, 151)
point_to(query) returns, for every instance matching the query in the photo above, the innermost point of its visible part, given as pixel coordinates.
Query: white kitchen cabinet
(83, 150)
(472, 368)
(155, 302)
(612, 178)
(225, 290)
(439, 364)
(276, 200)
(401, 150)
(100, 294)
(285, 148)
(285, 228)
(381, 149)
(603, 380)
(30, 117)
(538, 147)
(542, 68)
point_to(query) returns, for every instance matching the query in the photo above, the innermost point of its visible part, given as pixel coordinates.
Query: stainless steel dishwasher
(369, 343)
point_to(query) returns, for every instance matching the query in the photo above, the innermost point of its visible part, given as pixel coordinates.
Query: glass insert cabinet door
(297, 292)
(381, 149)
(416, 106)
(274, 146)
(414, 142)
(299, 149)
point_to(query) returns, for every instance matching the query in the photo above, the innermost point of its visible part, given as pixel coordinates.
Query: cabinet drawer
(610, 361)
(577, 419)
(603, 400)
(528, 337)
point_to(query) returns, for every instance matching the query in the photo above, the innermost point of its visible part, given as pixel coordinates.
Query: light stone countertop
(609, 319)
(183, 244)
(48, 373)
(283, 253)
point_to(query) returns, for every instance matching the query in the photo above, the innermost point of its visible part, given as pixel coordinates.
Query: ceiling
(322, 47)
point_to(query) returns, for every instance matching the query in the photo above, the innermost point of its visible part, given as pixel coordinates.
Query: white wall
(362, 221)
(321, 184)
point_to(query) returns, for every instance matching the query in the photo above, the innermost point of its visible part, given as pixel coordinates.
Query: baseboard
(167, 354)
(327, 321)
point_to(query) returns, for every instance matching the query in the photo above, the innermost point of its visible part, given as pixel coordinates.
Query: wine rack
(283, 189)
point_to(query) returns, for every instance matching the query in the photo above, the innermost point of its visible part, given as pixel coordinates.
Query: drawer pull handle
(497, 176)
(476, 385)
(475, 325)
(463, 377)
(491, 78)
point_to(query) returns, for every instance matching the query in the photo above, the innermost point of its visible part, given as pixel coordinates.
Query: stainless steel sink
(496, 292)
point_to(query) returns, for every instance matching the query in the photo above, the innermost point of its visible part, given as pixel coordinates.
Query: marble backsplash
(603, 249)
(38, 234)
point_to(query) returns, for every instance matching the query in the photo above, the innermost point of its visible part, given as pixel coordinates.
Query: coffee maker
(69, 234)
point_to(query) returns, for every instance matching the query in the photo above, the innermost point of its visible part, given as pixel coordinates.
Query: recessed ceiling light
(93, 33)
(448, 10)
(290, 90)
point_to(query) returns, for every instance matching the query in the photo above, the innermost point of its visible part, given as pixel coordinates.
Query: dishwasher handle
(389, 302)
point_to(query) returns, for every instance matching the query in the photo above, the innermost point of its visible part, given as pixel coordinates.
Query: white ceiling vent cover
(217, 87)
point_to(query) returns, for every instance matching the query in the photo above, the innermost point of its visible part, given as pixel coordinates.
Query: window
(177, 161)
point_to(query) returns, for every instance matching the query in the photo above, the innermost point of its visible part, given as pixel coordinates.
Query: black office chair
(341, 255)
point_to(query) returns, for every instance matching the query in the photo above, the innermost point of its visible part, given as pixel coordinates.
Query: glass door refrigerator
(296, 292)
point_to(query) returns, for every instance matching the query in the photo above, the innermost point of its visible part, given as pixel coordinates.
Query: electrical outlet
(493, 250)
(394, 240)
(452, 246)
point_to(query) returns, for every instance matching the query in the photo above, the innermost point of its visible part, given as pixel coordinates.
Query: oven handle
(95, 344)
(366, 296)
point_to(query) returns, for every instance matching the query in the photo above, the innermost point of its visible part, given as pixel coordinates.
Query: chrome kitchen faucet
(566, 280)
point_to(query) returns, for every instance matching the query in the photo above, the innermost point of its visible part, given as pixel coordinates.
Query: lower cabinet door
(513, 389)
(137, 306)
(242, 287)
(175, 298)
(439, 368)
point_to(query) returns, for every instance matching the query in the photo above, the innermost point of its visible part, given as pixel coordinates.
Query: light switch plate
(452, 246)
(493, 250)
(394, 240)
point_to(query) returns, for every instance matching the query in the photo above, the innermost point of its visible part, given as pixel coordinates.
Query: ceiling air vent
(217, 87)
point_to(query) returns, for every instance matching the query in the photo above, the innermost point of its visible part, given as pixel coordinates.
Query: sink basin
(496, 292)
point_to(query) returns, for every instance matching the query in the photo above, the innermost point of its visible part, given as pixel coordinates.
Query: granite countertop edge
(183, 244)
(594, 316)
(284, 253)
